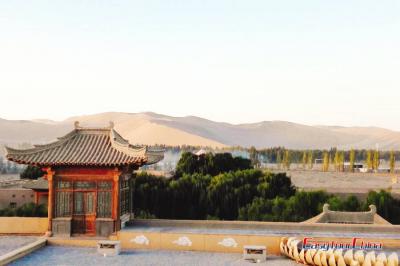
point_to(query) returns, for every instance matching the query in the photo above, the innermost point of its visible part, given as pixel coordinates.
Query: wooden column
(36, 197)
(130, 197)
(116, 201)
(50, 207)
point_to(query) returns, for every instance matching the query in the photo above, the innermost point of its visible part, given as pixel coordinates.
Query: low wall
(232, 243)
(23, 225)
(270, 226)
(231, 236)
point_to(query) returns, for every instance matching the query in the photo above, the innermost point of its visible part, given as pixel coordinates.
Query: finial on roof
(325, 208)
(372, 208)
(76, 124)
(111, 124)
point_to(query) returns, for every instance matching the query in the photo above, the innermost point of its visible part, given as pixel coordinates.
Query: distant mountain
(26, 131)
(151, 128)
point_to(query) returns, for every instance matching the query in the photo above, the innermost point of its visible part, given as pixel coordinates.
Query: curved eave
(154, 157)
(36, 148)
(11, 151)
(123, 145)
(136, 162)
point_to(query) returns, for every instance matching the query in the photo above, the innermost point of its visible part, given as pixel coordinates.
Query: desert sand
(151, 128)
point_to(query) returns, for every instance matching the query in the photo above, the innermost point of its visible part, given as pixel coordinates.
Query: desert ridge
(151, 128)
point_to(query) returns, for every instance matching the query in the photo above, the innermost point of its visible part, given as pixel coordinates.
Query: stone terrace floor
(57, 255)
(9, 243)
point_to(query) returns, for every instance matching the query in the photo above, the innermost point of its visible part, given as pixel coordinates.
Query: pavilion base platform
(80, 241)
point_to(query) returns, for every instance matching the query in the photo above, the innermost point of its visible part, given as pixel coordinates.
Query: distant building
(357, 166)
(383, 170)
(200, 152)
(40, 188)
(318, 161)
(15, 197)
(13, 194)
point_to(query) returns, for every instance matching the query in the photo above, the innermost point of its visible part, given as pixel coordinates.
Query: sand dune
(151, 128)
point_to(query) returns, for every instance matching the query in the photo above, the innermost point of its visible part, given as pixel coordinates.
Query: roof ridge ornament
(111, 125)
(76, 124)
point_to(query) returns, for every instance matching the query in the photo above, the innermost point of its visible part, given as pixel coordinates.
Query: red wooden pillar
(115, 211)
(36, 197)
(50, 206)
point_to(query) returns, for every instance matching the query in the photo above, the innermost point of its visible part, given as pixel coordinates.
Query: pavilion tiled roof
(39, 184)
(86, 147)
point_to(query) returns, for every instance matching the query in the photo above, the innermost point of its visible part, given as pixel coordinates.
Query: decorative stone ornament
(228, 242)
(183, 241)
(141, 240)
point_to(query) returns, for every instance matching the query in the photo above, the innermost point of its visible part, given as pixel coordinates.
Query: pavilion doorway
(84, 215)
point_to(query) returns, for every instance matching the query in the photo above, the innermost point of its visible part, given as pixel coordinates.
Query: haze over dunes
(151, 128)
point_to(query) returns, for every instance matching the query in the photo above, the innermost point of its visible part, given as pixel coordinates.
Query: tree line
(203, 189)
(26, 210)
(332, 158)
(7, 167)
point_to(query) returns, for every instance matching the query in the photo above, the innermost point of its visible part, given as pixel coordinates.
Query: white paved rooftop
(57, 255)
(9, 243)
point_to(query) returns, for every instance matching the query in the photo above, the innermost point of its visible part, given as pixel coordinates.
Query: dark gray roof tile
(86, 147)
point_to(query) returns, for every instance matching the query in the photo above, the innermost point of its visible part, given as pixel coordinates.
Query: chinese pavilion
(88, 172)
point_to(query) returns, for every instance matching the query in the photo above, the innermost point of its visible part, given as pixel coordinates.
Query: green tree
(352, 159)
(331, 159)
(254, 157)
(304, 159)
(392, 161)
(337, 161)
(368, 160)
(228, 192)
(188, 163)
(351, 204)
(287, 159)
(386, 205)
(32, 172)
(209, 163)
(310, 160)
(278, 159)
(325, 166)
(376, 160)
(341, 161)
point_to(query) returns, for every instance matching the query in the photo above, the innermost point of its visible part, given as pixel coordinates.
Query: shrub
(210, 164)
(26, 210)
(32, 172)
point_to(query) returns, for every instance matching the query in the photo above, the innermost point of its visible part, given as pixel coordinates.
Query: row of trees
(26, 210)
(246, 194)
(210, 163)
(272, 154)
(198, 196)
(284, 159)
(304, 205)
(243, 195)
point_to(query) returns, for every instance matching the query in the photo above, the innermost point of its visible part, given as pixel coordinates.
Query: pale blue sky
(312, 62)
